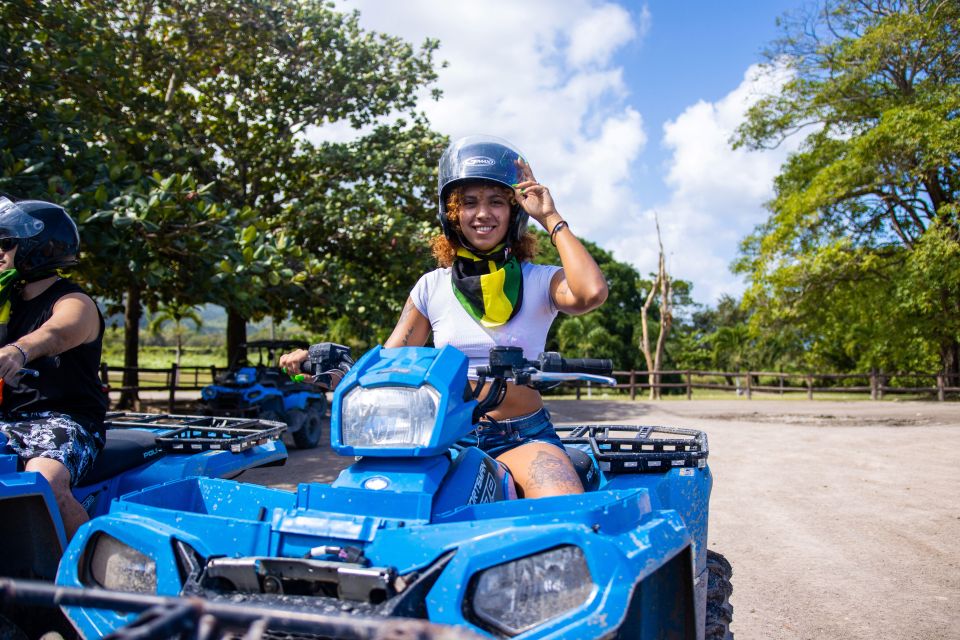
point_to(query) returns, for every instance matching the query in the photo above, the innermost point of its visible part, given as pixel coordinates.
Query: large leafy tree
(122, 110)
(861, 249)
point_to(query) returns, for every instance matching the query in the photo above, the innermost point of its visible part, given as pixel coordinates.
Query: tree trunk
(950, 361)
(666, 315)
(236, 334)
(129, 398)
(645, 337)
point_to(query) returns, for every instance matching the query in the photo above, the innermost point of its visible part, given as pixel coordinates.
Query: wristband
(21, 350)
(556, 229)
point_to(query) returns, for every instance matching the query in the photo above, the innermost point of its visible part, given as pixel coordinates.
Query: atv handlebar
(547, 371)
(550, 361)
(325, 360)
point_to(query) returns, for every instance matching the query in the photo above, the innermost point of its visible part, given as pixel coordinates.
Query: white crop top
(433, 297)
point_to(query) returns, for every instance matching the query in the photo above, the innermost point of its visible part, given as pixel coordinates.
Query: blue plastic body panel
(97, 497)
(445, 370)
(406, 513)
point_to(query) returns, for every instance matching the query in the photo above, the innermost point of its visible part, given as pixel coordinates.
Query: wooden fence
(161, 381)
(744, 383)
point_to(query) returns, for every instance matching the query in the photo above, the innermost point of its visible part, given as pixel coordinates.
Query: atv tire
(311, 429)
(719, 588)
(10, 631)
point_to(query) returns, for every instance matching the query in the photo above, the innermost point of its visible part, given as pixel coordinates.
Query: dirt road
(841, 519)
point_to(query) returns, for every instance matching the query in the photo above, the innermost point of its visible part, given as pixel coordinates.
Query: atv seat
(125, 450)
(585, 466)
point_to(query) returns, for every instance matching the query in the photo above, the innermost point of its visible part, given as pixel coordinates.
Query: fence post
(633, 384)
(809, 387)
(173, 388)
(941, 393)
(873, 384)
(689, 385)
(578, 391)
(749, 388)
(881, 381)
(781, 383)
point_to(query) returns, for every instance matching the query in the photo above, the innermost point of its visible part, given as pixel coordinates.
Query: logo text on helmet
(479, 161)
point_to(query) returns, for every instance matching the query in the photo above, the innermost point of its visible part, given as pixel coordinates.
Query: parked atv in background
(141, 450)
(420, 528)
(264, 390)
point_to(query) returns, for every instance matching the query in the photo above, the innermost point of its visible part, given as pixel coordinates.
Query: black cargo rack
(190, 434)
(630, 448)
(163, 617)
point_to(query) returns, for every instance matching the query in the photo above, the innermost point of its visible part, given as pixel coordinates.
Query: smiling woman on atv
(487, 293)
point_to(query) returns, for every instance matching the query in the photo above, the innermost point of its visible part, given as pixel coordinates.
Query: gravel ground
(841, 519)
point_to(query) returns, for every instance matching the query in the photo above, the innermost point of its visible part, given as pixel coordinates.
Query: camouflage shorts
(47, 434)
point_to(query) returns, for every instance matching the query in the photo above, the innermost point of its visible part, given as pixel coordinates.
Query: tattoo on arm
(407, 309)
(548, 470)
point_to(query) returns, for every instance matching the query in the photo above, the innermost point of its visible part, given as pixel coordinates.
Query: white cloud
(595, 38)
(539, 74)
(717, 193)
(542, 75)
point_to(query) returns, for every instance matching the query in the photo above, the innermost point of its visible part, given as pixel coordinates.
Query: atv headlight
(118, 566)
(398, 417)
(518, 595)
(207, 394)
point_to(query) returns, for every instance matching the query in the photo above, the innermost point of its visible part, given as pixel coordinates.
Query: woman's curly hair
(445, 250)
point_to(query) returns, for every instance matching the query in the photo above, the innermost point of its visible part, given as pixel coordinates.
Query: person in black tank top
(53, 420)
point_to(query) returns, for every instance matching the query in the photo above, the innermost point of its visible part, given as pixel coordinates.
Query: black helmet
(48, 238)
(480, 158)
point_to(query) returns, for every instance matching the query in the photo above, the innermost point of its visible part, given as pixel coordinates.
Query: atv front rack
(190, 434)
(163, 617)
(631, 448)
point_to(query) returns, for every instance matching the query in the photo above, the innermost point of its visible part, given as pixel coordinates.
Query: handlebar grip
(596, 366)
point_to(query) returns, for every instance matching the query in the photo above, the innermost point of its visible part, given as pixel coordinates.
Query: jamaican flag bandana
(489, 286)
(8, 280)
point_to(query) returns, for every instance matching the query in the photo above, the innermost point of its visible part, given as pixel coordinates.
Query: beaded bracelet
(20, 349)
(556, 229)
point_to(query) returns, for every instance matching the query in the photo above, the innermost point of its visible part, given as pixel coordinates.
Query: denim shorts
(48, 434)
(496, 437)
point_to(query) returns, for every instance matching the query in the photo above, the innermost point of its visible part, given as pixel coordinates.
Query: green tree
(586, 337)
(859, 254)
(178, 314)
(119, 110)
(619, 316)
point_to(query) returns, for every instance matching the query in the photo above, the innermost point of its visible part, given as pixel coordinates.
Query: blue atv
(419, 529)
(141, 450)
(264, 390)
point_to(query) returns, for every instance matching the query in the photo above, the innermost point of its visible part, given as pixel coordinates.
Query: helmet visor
(16, 221)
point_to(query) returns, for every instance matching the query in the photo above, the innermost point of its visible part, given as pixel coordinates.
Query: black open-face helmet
(47, 239)
(480, 158)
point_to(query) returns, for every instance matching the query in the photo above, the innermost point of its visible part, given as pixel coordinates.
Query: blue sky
(624, 110)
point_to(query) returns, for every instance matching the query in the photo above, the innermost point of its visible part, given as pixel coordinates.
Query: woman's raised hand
(534, 197)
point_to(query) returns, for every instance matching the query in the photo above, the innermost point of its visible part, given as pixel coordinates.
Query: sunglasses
(6, 244)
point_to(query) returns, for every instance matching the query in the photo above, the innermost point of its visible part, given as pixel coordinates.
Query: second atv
(262, 390)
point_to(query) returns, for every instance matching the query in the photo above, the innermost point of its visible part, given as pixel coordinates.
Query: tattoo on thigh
(549, 470)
